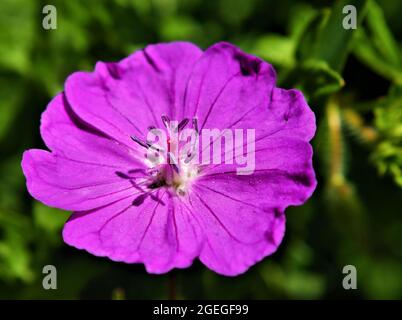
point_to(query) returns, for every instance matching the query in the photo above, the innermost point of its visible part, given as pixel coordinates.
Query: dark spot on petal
(248, 65)
(301, 178)
(114, 70)
(270, 237)
(277, 213)
(79, 214)
(150, 60)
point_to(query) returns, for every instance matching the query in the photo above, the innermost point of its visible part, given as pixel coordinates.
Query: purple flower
(165, 215)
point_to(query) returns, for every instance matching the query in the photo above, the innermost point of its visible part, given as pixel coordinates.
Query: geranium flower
(165, 215)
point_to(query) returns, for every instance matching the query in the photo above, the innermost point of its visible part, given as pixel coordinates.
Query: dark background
(352, 79)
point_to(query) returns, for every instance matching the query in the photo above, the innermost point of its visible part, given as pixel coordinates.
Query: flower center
(170, 165)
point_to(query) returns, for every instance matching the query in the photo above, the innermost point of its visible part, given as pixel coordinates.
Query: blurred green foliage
(352, 79)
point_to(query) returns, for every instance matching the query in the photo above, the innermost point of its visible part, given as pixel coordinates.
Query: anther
(145, 144)
(165, 121)
(189, 157)
(182, 124)
(141, 142)
(195, 124)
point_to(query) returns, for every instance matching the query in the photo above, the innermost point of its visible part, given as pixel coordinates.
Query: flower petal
(283, 172)
(67, 137)
(124, 99)
(72, 184)
(227, 84)
(156, 233)
(243, 215)
(229, 89)
(238, 232)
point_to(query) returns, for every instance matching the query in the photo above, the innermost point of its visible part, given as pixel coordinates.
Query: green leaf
(377, 48)
(11, 184)
(381, 36)
(276, 49)
(179, 28)
(17, 30)
(10, 103)
(319, 78)
(333, 41)
(367, 54)
(49, 219)
(387, 154)
(294, 283)
(15, 258)
(301, 17)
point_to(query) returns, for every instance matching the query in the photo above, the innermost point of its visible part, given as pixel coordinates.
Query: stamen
(191, 154)
(152, 171)
(182, 124)
(145, 144)
(166, 121)
(189, 157)
(178, 176)
(175, 167)
(141, 142)
(172, 161)
(195, 125)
